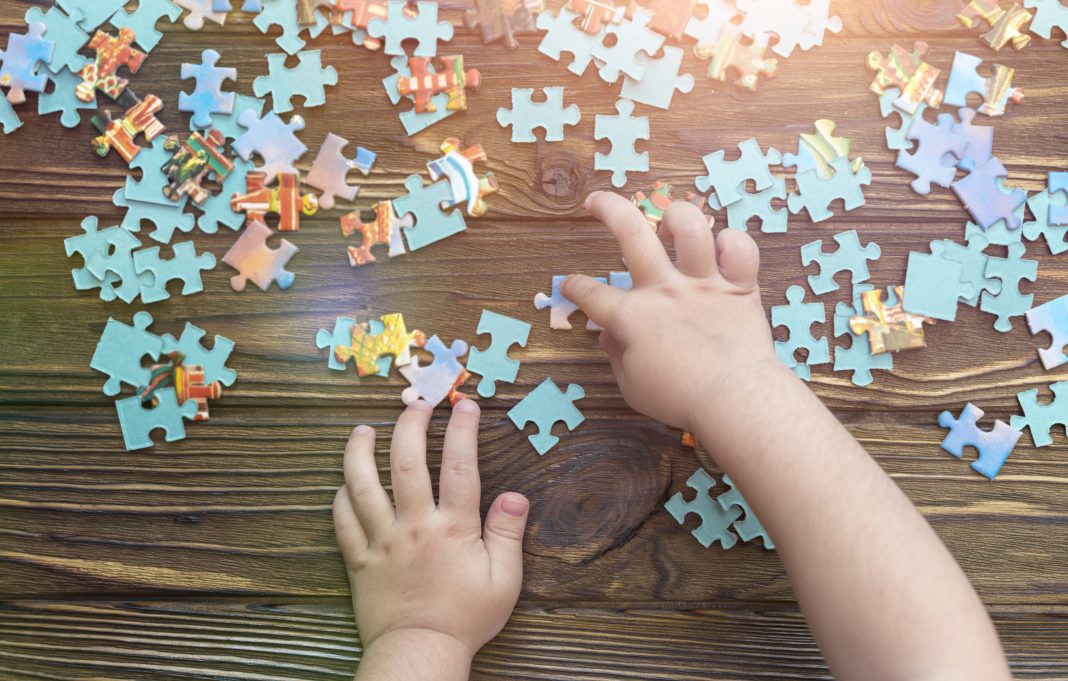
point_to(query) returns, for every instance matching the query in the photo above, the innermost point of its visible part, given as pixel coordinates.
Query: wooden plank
(256, 640)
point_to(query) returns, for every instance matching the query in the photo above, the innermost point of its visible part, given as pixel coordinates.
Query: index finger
(642, 251)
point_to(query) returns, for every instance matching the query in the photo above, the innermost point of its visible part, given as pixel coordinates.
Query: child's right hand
(688, 333)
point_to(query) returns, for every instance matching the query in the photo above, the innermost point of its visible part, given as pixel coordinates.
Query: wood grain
(221, 546)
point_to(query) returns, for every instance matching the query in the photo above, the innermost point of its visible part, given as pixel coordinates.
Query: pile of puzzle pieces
(725, 518)
(378, 345)
(184, 377)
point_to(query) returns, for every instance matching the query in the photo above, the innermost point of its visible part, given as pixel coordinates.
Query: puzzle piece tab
(1048, 14)
(1008, 301)
(544, 406)
(994, 446)
(65, 32)
(207, 97)
(120, 350)
(331, 168)
(728, 177)
(908, 72)
(622, 130)
(996, 90)
(398, 26)
(424, 203)
(859, 357)
(850, 257)
(493, 363)
(657, 87)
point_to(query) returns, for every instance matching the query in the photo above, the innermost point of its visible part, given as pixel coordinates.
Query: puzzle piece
(1057, 184)
(367, 346)
(654, 205)
(283, 200)
(788, 21)
(142, 21)
(61, 100)
(207, 97)
(933, 284)
(188, 383)
(798, 318)
(398, 26)
(657, 87)
(560, 308)
(897, 138)
(493, 363)
(341, 335)
(1040, 205)
(216, 210)
(19, 62)
(91, 13)
(64, 31)
(412, 120)
(194, 160)
(121, 134)
(308, 80)
(728, 177)
(385, 229)
(994, 446)
(980, 147)
(716, 520)
(544, 406)
(596, 14)
(1051, 317)
(328, 173)
(888, 326)
(708, 19)
(549, 115)
(908, 72)
(185, 265)
(166, 218)
(562, 36)
(1048, 14)
(281, 13)
(111, 54)
(735, 52)
(983, 193)
(1041, 418)
(458, 166)
(212, 362)
(817, 194)
(850, 257)
(996, 91)
(438, 380)
(503, 19)
(100, 248)
(973, 259)
(1009, 302)
(153, 180)
(275, 141)
(1005, 24)
(424, 203)
(257, 262)
(817, 151)
(120, 349)
(936, 142)
(227, 123)
(859, 356)
(748, 526)
(425, 82)
(622, 130)
(138, 422)
(632, 36)
(758, 205)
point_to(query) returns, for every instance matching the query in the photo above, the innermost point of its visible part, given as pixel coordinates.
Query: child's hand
(689, 332)
(429, 585)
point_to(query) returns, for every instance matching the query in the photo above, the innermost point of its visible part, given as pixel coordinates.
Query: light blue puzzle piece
(308, 80)
(138, 422)
(1058, 187)
(207, 97)
(8, 118)
(1041, 204)
(150, 187)
(105, 252)
(1052, 318)
(964, 79)
(398, 26)
(413, 121)
(630, 37)
(424, 203)
(994, 446)
(727, 177)
(850, 257)
(858, 357)
(933, 284)
(342, 335)
(817, 193)
(983, 193)
(493, 363)
(251, 6)
(748, 526)
(274, 140)
(1009, 302)
(143, 21)
(716, 520)
(212, 361)
(980, 146)
(216, 210)
(560, 308)
(63, 100)
(227, 123)
(999, 233)
(758, 205)
(798, 318)
(186, 265)
(657, 87)
(93, 12)
(167, 219)
(434, 382)
(199, 10)
(281, 13)
(973, 259)
(563, 35)
(622, 130)
(120, 350)
(68, 36)
(897, 138)
(1048, 14)
(544, 406)
(1041, 418)
(19, 63)
(550, 115)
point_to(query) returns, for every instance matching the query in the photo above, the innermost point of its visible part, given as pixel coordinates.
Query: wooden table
(215, 557)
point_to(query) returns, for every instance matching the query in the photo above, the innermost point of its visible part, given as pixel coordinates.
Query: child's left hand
(427, 577)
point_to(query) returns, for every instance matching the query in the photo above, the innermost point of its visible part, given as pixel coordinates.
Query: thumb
(503, 536)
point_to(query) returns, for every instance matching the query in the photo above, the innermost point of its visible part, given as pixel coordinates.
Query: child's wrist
(416, 651)
(744, 389)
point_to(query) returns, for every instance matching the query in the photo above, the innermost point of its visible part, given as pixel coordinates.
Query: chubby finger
(412, 492)
(459, 488)
(598, 300)
(739, 257)
(350, 535)
(695, 248)
(506, 521)
(369, 500)
(644, 254)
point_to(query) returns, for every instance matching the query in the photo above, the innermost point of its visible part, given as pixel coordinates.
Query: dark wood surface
(214, 557)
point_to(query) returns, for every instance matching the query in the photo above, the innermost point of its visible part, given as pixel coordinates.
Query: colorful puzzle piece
(563, 36)
(560, 308)
(425, 83)
(728, 177)
(386, 229)
(994, 446)
(716, 520)
(1039, 417)
(120, 134)
(1051, 317)
(142, 21)
(933, 284)
(622, 130)
(818, 150)
(493, 363)
(850, 257)
(193, 160)
(1006, 25)
(438, 380)
(798, 318)
(1009, 302)
(342, 335)
(996, 90)
(308, 80)
(424, 203)
(817, 194)
(859, 357)
(398, 26)
(888, 326)
(549, 115)
(983, 193)
(255, 261)
(283, 200)
(544, 406)
(412, 120)
(458, 166)
(503, 19)
(275, 141)
(19, 62)
(212, 362)
(112, 53)
(367, 346)
(735, 52)
(908, 72)
(120, 349)
(186, 265)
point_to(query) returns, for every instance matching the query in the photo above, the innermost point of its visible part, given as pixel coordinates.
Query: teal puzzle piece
(1008, 302)
(544, 406)
(138, 422)
(857, 357)
(716, 520)
(120, 349)
(424, 203)
(493, 363)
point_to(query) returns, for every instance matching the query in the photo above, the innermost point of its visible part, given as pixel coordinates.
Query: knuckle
(506, 530)
(404, 465)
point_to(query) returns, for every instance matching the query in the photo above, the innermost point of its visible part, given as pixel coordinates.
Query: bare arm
(883, 596)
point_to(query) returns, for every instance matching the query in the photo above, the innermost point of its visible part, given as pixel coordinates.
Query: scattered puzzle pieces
(994, 446)
(1008, 301)
(996, 90)
(398, 26)
(438, 380)
(207, 98)
(120, 350)
(859, 357)
(526, 115)
(818, 150)
(1041, 418)
(308, 80)
(716, 520)
(817, 194)
(1052, 318)
(493, 363)
(974, 260)
(850, 257)
(385, 229)
(544, 406)
(798, 318)
(138, 422)
(255, 261)
(982, 192)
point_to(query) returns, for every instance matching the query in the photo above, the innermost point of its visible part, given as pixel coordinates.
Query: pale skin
(883, 596)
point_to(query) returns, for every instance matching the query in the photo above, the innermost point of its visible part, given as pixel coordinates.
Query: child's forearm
(877, 586)
(415, 656)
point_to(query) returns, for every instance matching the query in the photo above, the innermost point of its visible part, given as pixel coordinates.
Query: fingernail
(363, 430)
(515, 505)
(591, 197)
(466, 406)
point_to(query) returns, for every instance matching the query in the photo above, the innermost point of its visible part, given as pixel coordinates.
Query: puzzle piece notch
(622, 130)
(748, 526)
(255, 261)
(341, 335)
(20, 61)
(424, 203)
(385, 229)
(493, 363)
(560, 307)
(758, 205)
(186, 265)
(138, 422)
(996, 90)
(994, 446)
(816, 193)
(398, 26)
(983, 194)
(716, 521)
(798, 318)
(735, 52)
(1041, 204)
(1040, 417)
(120, 350)
(1057, 185)
(850, 257)
(908, 72)
(308, 80)
(1008, 301)
(368, 347)
(281, 13)
(561, 35)
(207, 97)
(331, 168)
(1052, 318)
(438, 380)
(550, 115)
(933, 284)
(544, 406)
(728, 177)
(859, 357)
(897, 138)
